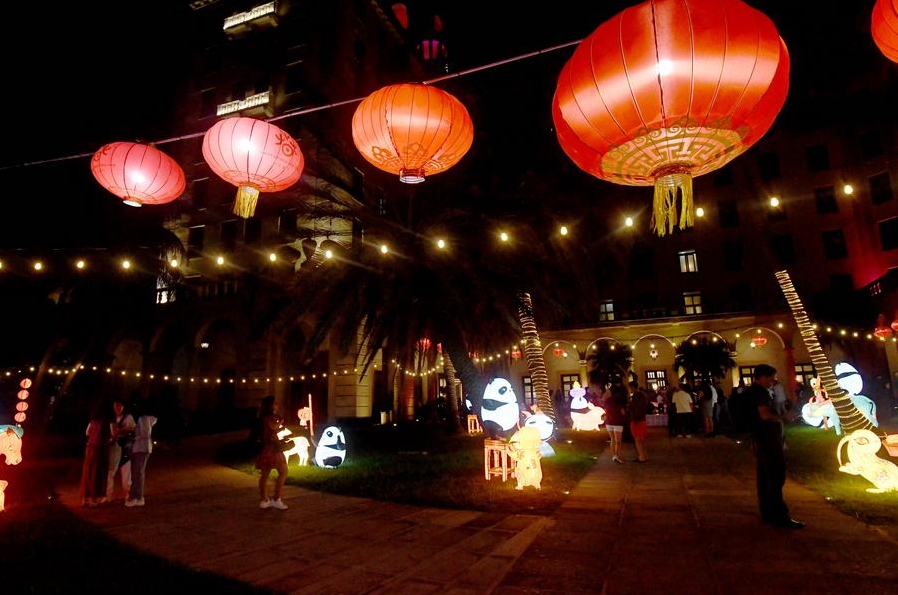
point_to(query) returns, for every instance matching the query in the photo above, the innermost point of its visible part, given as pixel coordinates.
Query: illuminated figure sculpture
(331, 449)
(862, 460)
(499, 411)
(852, 383)
(546, 427)
(524, 449)
(584, 415)
(11, 448)
(300, 447)
(819, 410)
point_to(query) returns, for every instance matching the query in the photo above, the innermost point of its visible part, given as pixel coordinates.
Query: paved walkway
(686, 522)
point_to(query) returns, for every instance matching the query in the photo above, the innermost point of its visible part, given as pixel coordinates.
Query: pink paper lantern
(138, 174)
(253, 155)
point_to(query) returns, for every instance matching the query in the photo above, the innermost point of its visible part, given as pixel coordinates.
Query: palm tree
(533, 351)
(609, 363)
(704, 358)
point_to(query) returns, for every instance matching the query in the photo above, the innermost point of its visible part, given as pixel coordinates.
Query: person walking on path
(271, 458)
(615, 406)
(122, 433)
(768, 447)
(140, 453)
(96, 460)
(638, 407)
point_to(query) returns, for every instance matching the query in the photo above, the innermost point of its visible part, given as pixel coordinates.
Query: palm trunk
(451, 394)
(533, 351)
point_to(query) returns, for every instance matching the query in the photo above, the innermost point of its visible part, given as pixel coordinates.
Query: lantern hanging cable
(309, 110)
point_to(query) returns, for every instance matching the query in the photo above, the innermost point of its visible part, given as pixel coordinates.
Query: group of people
(626, 408)
(118, 447)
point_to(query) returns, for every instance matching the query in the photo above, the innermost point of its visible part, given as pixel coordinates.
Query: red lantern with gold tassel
(253, 155)
(668, 90)
(138, 174)
(884, 28)
(412, 130)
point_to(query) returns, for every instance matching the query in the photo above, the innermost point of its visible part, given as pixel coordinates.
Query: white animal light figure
(300, 447)
(524, 448)
(11, 443)
(851, 381)
(546, 427)
(331, 450)
(862, 460)
(499, 410)
(584, 415)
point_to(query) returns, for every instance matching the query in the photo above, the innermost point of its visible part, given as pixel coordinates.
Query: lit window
(688, 261)
(606, 311)
(692, 302)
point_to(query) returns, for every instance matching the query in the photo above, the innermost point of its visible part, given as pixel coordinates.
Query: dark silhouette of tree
(703, 358)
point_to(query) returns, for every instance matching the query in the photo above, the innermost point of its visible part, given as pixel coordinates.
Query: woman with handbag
(271, 457)
(122, 434)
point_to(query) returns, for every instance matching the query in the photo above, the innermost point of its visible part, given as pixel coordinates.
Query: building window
(825, 197)
(606, 311)
(692, 302)
(199, 193)
(287, 222)
(746, 374)
(733, 255)
(656, 379)
(871, 144)
(529, 394)
(817, 157)
(688, 261)
(196, 237)
(294, 78)
(804, 373)
(567, 383)
(769, 166)
(229, 235)
(783, 248)
(888, 234)
(208, 103)
(728, 213)
(880, 188)
(834, 247)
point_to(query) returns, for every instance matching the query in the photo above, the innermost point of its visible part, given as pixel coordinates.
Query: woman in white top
(140, 453)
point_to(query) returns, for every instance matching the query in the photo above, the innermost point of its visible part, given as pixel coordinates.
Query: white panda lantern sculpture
(499, 410)
(330, 451)
(546, 427)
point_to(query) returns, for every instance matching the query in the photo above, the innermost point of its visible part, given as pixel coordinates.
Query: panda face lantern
(500, 405)
(331, 450)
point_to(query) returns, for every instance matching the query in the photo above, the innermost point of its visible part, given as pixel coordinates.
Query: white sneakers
(132, 503)
(279, 504)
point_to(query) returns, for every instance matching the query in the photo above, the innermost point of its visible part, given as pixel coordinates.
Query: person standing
(683, 405)
(141, 449)
(767, 444)
(779, 397)
(271, 458)
(121, 430)
(615, 406)
(638, 408)
(96, 458)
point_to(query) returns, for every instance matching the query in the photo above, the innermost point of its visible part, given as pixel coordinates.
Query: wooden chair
(497, 460)
(474, 425)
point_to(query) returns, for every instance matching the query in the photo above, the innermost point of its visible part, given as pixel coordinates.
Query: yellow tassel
(668, 185)
(245, 203)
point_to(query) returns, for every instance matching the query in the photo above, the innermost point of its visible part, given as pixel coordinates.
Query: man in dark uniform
(767, 443)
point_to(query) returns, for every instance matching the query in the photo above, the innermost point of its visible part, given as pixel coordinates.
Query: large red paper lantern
(253, 155)
(412, 130)
(884, 28)
(138, 174)
(668, 90)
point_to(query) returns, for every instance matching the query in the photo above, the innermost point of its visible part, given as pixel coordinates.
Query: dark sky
(84, 74)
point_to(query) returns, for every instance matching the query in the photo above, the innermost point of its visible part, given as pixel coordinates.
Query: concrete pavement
(686, 522)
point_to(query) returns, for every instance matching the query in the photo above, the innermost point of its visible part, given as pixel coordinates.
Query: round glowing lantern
(138, 174)
(20, 416)
(894, 325)
(516, 353)
(253, 155)
(668, 90)
(759, 340)
(412, 130)
(882, 330)
(884, 28)
(558, 351)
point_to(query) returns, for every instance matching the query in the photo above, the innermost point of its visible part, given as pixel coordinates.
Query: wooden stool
(474, 425)
(497, 460)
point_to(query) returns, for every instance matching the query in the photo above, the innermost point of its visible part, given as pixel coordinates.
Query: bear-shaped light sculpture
(499, 411)
(331, 449)
(862, 460)
(523, 447)
(584, 415)
(546, 427)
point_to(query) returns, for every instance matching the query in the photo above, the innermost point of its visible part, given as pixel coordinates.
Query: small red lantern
(423, 343)
(895, 325)
(253, 155)
(759, 340)
(668, 90)
(884, 28)
(412, 130)
(516, 353)
(21, 406)
(138, 174)
(882, 330)
(558, 351)
(20, 417)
